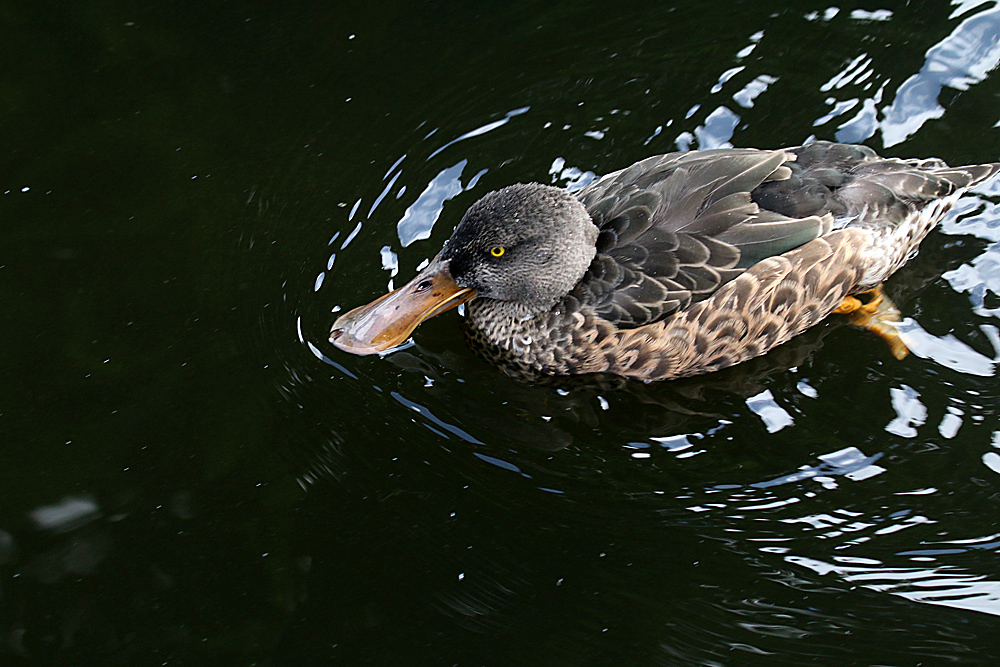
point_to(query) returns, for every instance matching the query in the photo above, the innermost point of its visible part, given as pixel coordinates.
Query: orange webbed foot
(878, 314)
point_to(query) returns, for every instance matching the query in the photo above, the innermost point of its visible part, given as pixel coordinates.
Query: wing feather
(676, 227)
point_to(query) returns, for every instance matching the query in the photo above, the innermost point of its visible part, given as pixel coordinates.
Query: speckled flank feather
(707, 259)
(772, 301)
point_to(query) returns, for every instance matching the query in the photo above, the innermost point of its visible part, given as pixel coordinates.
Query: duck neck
(556, 341)
(501, 320)
(508, 332)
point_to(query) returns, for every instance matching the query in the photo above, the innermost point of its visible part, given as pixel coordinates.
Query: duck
(681, 264)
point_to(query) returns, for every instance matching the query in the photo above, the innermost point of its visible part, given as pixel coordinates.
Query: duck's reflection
(550, 413)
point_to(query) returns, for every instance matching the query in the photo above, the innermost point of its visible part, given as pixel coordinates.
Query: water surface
(192, 475)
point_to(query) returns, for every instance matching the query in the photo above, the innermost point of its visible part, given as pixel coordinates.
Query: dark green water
(191, 475)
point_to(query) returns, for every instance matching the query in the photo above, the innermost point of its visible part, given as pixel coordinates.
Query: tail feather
(969, 175)
(911, 183)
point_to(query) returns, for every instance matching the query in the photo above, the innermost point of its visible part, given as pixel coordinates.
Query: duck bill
(388, 321)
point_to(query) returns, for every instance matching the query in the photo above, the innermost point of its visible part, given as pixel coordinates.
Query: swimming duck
(681, 264)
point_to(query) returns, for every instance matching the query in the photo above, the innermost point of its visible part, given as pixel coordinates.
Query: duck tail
(969, 175)
(899, 202)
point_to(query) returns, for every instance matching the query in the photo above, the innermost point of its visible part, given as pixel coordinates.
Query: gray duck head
(527, 244)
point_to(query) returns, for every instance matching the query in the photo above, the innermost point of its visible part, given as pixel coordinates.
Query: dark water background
(191, 475)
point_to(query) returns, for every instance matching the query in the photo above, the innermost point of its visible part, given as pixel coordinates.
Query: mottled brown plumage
(681, 264)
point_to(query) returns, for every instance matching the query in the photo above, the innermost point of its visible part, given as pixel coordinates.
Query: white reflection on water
(726, 76)
(945, 350)
(806, 389)
(877, 15)
(839, 109)
(910, 412)
(483, 129)
(962, 59)
(865, 122)
(418, 220)
(754, 40)
(856, 71)
(945, 585)
(992, 459)
(931, 582)
(927, 572)
(680, 445)
(749, 92)
(980, 278)
(827, 14)
(431, 417)
(574, 177)
(386, 189)
(69, 513)
(390, 262)
(951, 422)
(849, 462)
(773, 415)
(717, 130)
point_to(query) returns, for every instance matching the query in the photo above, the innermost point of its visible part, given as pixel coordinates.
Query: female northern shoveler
(681, 264)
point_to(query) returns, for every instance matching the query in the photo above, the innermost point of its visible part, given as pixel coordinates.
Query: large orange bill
(389, 320)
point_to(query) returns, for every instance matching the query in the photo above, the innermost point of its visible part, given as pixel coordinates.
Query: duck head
(527, 244)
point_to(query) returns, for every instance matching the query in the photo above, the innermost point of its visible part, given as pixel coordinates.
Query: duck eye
(498, 251)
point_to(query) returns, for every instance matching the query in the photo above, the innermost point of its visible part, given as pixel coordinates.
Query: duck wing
(896, 200)
(853, 182)
(676, 227)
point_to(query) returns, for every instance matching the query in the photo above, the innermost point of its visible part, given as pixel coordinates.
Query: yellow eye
(498, 251)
